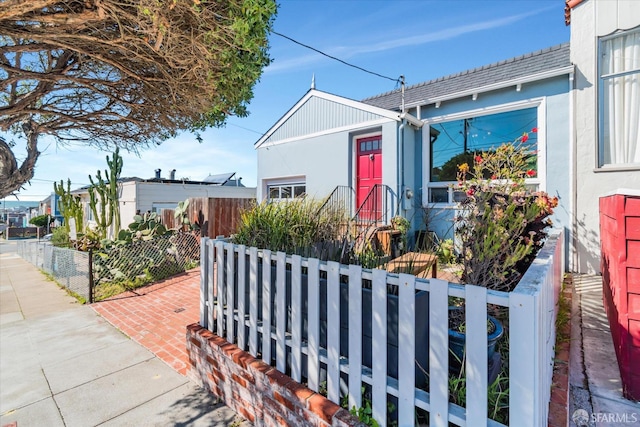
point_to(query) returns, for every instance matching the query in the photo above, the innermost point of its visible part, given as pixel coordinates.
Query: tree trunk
(12, 177)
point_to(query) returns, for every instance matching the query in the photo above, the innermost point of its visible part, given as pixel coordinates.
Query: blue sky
(419, 39)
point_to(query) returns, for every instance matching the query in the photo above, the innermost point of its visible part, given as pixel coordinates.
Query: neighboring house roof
(534, 66)
(213, 180)
(302, 120)
(219, 179)
(569, 4)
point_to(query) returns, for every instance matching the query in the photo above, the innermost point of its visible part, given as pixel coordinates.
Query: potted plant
(457, 339)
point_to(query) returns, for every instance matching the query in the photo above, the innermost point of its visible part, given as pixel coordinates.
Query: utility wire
(334, 58)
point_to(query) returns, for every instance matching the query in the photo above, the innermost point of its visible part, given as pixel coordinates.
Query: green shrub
(40, 220)
(294, 227)
(60, 237)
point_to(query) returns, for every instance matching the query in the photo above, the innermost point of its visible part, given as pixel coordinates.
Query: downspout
(573, 243)
(401, 153)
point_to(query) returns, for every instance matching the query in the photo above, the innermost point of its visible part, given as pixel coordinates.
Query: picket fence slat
(296, 317)
(220, 288)
(406, 341)
(281, 311)
(253, 301)
(230, 303)
(266, 306)
(355, 335)
(313, 321)
(242, 260)
(333, 331)
(438, 354)
(204, 289)
(379, 346)
(476, 354)
(211, 308)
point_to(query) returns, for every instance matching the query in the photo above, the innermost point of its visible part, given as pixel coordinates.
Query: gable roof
(538, 65)
(302, 120)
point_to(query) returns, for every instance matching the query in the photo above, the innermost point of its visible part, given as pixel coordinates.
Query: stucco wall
(323, 162)
(590, 20)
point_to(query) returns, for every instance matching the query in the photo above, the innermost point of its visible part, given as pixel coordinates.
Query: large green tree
(126, 73)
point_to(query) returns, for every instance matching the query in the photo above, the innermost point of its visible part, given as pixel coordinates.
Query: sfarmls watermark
(582, 418)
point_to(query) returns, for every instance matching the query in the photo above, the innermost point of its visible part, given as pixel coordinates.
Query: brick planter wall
(255, 390)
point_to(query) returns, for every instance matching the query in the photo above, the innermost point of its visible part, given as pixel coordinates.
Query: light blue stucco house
(325, 141)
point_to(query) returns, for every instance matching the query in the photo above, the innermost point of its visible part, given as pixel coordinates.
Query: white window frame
(600, 164)
(282, 182)
(540, 181)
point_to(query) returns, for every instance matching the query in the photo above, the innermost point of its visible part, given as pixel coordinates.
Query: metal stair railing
(339, 202)
(375, 208)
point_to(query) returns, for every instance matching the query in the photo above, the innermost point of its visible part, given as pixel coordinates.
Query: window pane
(274, 192)
(299, 190)
(363, 146)
(368, 145)
(457, 142)
(285, 192)
(459, 196)
(439, 195)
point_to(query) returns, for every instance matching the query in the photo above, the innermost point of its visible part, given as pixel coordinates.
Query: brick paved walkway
(156, 316)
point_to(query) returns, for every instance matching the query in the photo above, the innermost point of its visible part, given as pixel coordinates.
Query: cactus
(70, 205)
(147, 226)
(107, 192)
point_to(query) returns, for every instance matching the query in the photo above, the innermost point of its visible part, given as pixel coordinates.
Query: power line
(334, 58)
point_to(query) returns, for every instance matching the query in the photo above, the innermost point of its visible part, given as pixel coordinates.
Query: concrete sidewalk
(63, 365)
(594, 378)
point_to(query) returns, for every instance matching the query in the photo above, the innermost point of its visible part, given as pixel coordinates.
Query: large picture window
(455, 142)
(619, 101)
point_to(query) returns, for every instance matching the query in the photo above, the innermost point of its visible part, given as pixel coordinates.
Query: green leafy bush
(41, 220)
(294, 227)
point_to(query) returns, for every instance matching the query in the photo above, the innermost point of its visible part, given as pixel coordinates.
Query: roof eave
(496, 86)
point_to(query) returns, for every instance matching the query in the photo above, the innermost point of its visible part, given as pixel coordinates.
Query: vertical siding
(317, 115)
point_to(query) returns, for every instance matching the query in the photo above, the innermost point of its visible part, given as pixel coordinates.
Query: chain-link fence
(68, 267)
(116, 269)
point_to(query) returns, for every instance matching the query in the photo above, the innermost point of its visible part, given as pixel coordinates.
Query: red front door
(368, 174)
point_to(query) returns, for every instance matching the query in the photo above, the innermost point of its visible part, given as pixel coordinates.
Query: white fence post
(523, 360)
(230, 250)
(355, 336)
(333, 331)
(211, 314)
(204, 273)
(266, 306)
(406, 348)
(439, 353)
(313, 333)
(379, 346)
(476, 360)
(220, 288)
(296, 317)
(253, 301)
(242, 279)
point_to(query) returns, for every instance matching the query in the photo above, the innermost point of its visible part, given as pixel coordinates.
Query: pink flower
(478, 159)
(531, 173)
(471, 192)
(525, 137)
(494, 176)
(534, 130)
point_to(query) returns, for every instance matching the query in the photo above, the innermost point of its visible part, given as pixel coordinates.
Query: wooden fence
(292, 312)
(216, 216)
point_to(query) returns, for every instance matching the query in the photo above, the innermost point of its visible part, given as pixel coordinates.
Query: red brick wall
(255, 390)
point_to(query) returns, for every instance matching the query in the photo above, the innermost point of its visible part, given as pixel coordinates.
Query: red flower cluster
(531, 173)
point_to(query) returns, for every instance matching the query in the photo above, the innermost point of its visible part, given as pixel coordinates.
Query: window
(619, 102)
(286, 191)
(456, 142)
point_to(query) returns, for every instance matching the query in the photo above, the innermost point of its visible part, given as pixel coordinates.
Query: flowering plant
(502, 223)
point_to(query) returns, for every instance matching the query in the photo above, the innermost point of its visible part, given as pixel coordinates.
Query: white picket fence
(236, 280)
